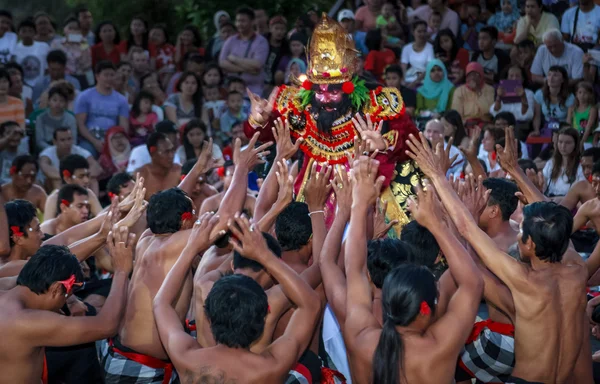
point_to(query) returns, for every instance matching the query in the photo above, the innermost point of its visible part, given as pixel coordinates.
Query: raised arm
(204, 163)
(470, 152)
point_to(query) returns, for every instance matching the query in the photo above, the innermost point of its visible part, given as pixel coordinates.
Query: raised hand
(200, 239)
(446, 161)
(380, 227)
(250, 156)
(127, 203)
(247, 240)
(537, 179)
(139, 207)
(509, 155)
(286, 184)
(429, 161)
(342, 187)
(472, 148)
(369, 132)
(261, 109)
(475, 196)
(366, 186)
(318, 187)
(426, 208)
(205, 161)
(120, 246)
(112, 216)
(281, 133)
(360, 148)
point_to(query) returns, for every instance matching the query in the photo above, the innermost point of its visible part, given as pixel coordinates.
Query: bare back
(155, 256)
(156, 180)
(550, 312)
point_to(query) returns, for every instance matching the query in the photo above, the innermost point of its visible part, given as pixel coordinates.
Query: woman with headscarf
(115, 154)
(474, 99)
(221, 20)
(295, 67)
(435, 95)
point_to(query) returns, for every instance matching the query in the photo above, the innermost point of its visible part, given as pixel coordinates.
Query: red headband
(66, 173)
(182, 177)
(152, 149)
(13, 170)
(16, 230)
(111, 195)
(424, 309)
(65, 202)
(69, 283)
(186, 216)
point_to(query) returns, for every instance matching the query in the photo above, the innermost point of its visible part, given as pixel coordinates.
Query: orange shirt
(13, 110)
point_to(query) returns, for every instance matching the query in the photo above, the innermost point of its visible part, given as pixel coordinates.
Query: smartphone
(74, 37)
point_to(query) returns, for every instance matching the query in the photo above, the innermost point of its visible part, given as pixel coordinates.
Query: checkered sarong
(118, 369)
(489, 353)
(299, 375)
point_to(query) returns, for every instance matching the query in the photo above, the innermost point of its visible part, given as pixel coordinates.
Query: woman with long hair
(185, 105)
(455, 57)
(192, 137)
(107, 44)
(454, 127)
(552, 102)
(189, 40)
(564, 168)
(583, 115)
(138, 37)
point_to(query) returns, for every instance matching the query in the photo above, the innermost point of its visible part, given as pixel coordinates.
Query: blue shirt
(102, 111)
(43, 84)
(554, 111)
(471, 43)
(359, 40)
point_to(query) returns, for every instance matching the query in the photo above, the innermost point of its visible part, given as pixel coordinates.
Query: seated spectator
(224, 29)
(185, 105)
(487, 153)
(583, 114)
(11, 108)
(73, 209)
(552, 102)
(140, 65)
(193, 63)
(79, 55)
(435, 95)
(587, 16)
(120, 185)
(555, 52)
(379, 57)
(473, 99)
(67, 89)
(416, 55)
(74, 169)
(454, 127)
(456, 58)
(30, 54)
(236, 56)
(233, 113)
(116, 152)
(57, 61)
(45, 28)
(23, 173)
(526, 51)
(433, 25)
(55, 117)
(140, 155)
(11, 146)
(188, 40)
(491, 59)
(505, 19)
(387, 22)
(149, 83)
(138, 37)
(347, 20)
(100, 108)
(297, 48)
(86, 20)
(434, 132)
(213, 105)
(8, 39)
(19, 89)
(141, 119)
(394, 78)
(51, 157)
(450, 19)
(469, 30)
(522, 109)
(504, 120)
(237, 84)
(107, 44)
(294, 70)
(192, 138)
(564, 168)
(162, 172)
(165, 52)
(535, 23)
(121, 81)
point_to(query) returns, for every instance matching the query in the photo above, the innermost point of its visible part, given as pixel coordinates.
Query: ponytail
(388, 359)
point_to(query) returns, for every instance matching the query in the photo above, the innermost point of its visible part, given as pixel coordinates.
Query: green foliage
(305, 97)
(360, 95)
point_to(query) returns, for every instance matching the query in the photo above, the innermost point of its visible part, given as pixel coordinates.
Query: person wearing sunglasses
(23, 172)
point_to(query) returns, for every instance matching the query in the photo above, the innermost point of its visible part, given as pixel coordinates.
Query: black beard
(325, 118)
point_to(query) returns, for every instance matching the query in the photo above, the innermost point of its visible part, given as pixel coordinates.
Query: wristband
(315, 212)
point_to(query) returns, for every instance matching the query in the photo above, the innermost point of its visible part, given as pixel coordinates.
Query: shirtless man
(170, 216)
(162, 173)
(551, 330)
(121, 185)
(582, 191)
(74, 169)
(411, 343)
(23, 173)
(30, 319)
(495, 219)
(236, 308)
(196, 187)
(73, 208)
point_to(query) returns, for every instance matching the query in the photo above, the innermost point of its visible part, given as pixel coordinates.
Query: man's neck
(103, 90)
(586, 7)
(275, 43)
(499, 228)
(16, 253)
(62, 224)
(56, 113)
(247, 35)
(160, 170)
(27, 43)
(488, 53)
(294, 258)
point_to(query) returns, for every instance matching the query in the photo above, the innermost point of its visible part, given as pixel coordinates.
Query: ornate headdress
(332, 55)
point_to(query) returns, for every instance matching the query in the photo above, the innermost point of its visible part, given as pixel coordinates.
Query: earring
(66, 295)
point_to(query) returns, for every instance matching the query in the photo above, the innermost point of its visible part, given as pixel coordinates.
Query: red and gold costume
(333, 60)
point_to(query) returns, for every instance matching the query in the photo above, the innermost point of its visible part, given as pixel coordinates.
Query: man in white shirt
(8, 39)
(140, 156)
(30, 54)
(585, 32)
(555, 51)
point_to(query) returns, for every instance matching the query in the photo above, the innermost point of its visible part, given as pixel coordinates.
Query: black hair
(593, 152)
(20, 161)
(245, 11)
(373, 40)
(418, 23)
(490, 30)
(227, 24)
(196, 97)
(103, 65)
(6, 124)
(187, 166)
(234, 93)
(187, 146)
(236, 308)
(51, 263)
(192, 57)
(503, 195)
(549, 225)
(67, 192)
(437, 45)
(524, 75)
(28, 22)
(426, 248)
(163, 28)
(5, 75)
(56, 56)
(526, 164)
(197, 37)
(209, 67)
(71, 19)
(6, 13)
(135, 108)
(153, 140)
(57, 90)
(293, 227)
(383, 255)
(117, 181)
(60, 129)
(123, 63)
(506, 116)
(235, 79)
(394, 68)
(19, 213)
(596, 168)
(80, 9)
(241, 262)
(166, 127)
(131, 41)
(14, 65)
(453, 117)
(72, 163)
(526, 44)
(165, 209)
(145, 76)
(404, 289)
(117, 38)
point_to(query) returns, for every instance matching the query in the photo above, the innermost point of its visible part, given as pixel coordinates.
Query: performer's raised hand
(508, 156)
(261, 109)
(251, 155)
(427, 159)
(426, 209)
(366, 186)
(380, 226)
(281, 132)
(369, 132)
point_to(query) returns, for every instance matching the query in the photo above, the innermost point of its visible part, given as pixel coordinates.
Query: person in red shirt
(379, 57)
(138, 37)
(107, 44)
(165, 52)
(189, 40)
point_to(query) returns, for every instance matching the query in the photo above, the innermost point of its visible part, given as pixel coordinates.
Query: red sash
(301, 369)
(148, 361)
(501, 328)
(328, 376)
(45, 371)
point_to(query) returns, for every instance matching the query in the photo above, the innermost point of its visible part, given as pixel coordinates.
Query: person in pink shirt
(366, 15)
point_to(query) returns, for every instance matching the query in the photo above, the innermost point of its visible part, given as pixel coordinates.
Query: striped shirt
(13, 110)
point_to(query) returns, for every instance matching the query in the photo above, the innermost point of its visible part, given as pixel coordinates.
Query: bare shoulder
(49, 226)
(143, 170)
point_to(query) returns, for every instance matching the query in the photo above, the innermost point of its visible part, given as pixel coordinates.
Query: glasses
(69, 284)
